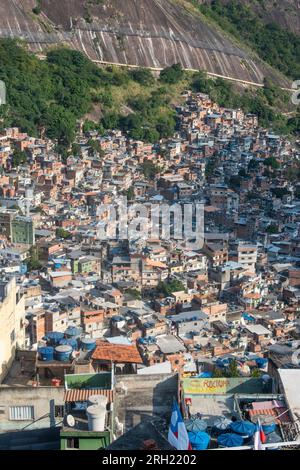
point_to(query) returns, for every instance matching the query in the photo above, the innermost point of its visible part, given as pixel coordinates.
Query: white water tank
(96, 417)
(97, 400)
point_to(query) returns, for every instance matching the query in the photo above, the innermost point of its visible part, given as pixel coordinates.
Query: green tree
(76, 149)
(142, 76)
(36, 10)
(272, 163)
(232, 369)
(95, 147)
(60, 124)
(62, 233)
(149, 169)
(218, 373)
(134, 293)
(33, 263)
(272, 229)
(130, 193)
(172, 75)
(18, 157)
(201, 83)
(277, 46)
(256, 373)
(167, 288)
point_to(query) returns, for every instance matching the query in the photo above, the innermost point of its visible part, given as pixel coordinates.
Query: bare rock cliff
(153, 33)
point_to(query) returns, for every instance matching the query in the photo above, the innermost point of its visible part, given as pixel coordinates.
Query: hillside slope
(152, 33)
(286, 13)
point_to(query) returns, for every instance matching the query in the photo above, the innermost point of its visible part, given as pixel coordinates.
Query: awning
(83, 395)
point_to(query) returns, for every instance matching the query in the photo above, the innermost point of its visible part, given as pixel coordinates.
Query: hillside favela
(149, 225)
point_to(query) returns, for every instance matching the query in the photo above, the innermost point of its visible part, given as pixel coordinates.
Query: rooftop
(258, 330)
(116, 353)
(135, 438)
(169, 344)
(290, 379)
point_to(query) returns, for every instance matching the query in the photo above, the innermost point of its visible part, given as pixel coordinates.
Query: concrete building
(6, 219)
(39, 407)
(12, 325)
(247, 255)
(22, 230)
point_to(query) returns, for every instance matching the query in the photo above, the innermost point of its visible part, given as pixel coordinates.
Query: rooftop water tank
(96, 417)
(96, 399)
(46, 353)
(269, 428)
(63, 352)
(71, 342)
(53, 337)
(73, 332)
(88, 344)
(117, 318)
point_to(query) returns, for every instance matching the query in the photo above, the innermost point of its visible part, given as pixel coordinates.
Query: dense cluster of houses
(179, 309)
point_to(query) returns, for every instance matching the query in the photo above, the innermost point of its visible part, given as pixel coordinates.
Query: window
(59, 411)
(73, 443)
(21, 413)
(2, 409)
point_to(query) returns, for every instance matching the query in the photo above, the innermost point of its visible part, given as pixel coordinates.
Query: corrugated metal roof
(83, 395)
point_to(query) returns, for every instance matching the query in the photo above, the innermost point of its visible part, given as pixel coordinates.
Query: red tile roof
(116, 353)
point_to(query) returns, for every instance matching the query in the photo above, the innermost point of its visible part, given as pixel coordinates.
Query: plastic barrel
(71, 342)
(88, 344)
(63, 352)
(73, 332)
(96, 417)
(46, 353)
(53, 338)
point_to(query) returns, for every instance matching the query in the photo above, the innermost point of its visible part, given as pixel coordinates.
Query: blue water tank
(63, 352)
(53, 338)
(73, 332)
(269, 428)
(117, 318)
(88, 344)
(71, 342)
(46, 353)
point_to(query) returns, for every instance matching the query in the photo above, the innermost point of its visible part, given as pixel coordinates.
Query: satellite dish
(70, 421)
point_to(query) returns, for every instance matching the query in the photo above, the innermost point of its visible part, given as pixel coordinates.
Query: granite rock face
(153, 33)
